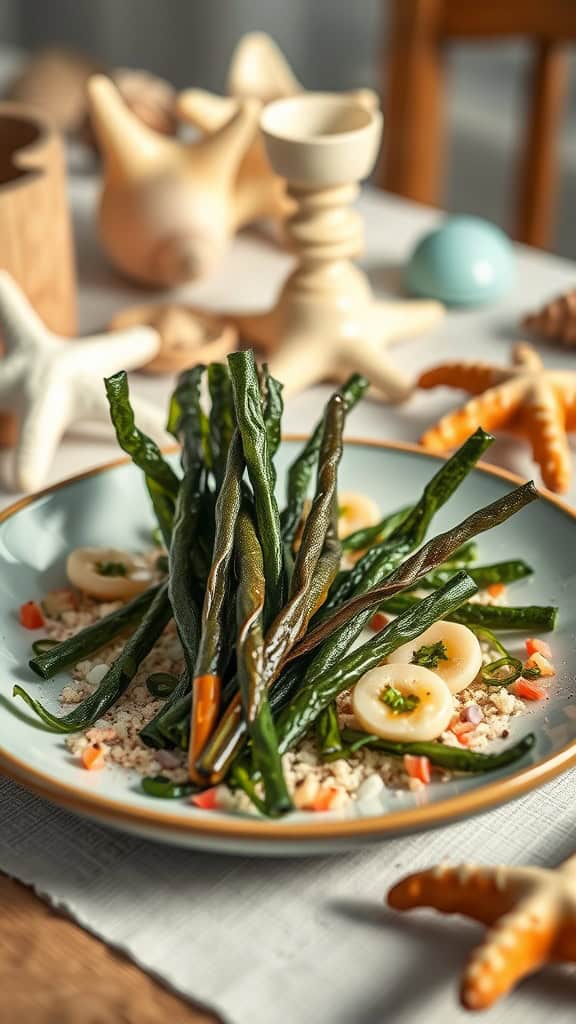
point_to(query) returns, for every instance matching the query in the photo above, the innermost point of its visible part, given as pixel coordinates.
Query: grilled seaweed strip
(93, 637)
(221, 419)
(484, 575)
(118, 677)
(301, 470)
(213, 648)
(369, 535)
(250, 602)
(250, 420)
(421, 563)
(452, 758)
(530, 618)
(318, 556)
(385, 556)
(273, 408)
(161, 480)
(187, 423)
(315, 567)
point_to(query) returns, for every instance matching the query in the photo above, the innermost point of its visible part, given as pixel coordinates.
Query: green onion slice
(161, 684)
(502, 672)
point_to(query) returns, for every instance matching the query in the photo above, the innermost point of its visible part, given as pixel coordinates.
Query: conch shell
(168, 208)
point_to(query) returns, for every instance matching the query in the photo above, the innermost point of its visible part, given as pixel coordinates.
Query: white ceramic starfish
(50, 382)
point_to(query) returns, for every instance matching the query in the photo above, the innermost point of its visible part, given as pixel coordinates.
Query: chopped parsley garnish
(111, 569)
(400, 703)
(429, 655)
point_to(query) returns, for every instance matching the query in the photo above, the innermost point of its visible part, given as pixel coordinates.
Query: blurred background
(331, 44)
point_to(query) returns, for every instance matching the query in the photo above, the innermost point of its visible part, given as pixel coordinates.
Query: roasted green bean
(161, 479)
(250, 603)
(250, 420)
(93, 637)
(118, 676)
(300, 472)
(453, 758)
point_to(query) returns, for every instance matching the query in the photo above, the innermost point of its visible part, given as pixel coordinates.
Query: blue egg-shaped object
(466, 261)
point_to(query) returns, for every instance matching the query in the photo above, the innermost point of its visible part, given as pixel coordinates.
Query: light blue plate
(109, 507)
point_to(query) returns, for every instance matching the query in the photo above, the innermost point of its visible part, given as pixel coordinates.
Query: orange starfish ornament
(531, 914)
(525, 399)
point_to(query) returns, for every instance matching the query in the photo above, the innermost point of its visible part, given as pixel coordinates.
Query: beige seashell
(167, 208)
(188, 336)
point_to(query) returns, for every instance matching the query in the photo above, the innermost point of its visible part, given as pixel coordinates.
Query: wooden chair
(414, 92)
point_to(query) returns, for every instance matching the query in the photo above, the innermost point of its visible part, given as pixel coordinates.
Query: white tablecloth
(299, 942)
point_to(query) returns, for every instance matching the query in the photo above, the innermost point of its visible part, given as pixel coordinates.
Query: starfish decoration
(525, 399)
(311, 359)
(50, 382)
(188, 336)
(530, 913)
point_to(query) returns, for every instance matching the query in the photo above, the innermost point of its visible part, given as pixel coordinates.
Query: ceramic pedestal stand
(326, 323)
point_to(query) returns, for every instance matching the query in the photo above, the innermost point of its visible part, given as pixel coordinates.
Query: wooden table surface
(53, 972)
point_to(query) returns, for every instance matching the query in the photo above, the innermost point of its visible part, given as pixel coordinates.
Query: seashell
(556, 320)
(188, 336)
(168, 208)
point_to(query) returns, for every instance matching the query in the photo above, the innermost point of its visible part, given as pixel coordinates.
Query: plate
(108, 506)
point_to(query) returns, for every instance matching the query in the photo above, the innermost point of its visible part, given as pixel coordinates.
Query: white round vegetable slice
(106, 573)
(405, 703)
(449, 649)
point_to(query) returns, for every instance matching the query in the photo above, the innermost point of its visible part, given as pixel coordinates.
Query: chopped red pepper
(536, 646)
(418, 768)
(378, 621)
(207, 800)
(31, 615)
(528, 690)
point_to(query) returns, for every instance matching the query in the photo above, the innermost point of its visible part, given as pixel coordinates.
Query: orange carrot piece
(461, 728)
(418, 768)
(496, 589)
(324, 798)
(205, 707)
(93, 757)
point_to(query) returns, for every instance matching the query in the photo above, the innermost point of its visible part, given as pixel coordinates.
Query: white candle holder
(326, 322)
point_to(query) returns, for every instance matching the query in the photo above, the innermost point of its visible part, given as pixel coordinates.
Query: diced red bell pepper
(528, 690)
(378, 621)
(31, 615)
(207, 800)
(536, 646)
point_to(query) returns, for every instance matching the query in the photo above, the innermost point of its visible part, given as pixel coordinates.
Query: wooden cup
(36, 245)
